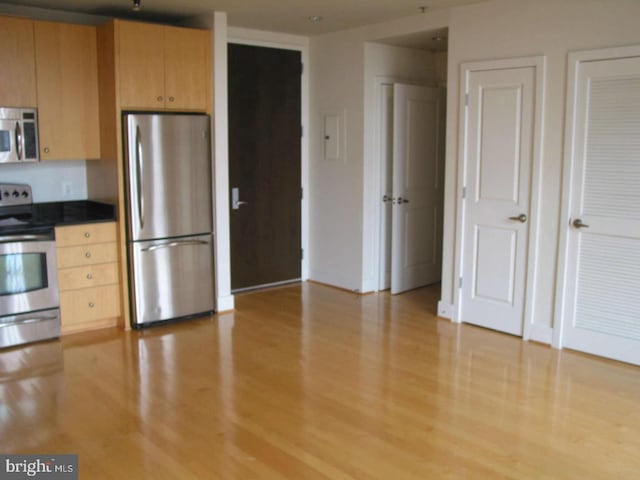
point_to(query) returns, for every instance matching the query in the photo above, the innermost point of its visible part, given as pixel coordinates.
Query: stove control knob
(25, 194)
(15, 194)
(6, 193)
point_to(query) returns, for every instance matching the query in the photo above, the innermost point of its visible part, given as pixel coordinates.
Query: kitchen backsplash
(50, 181)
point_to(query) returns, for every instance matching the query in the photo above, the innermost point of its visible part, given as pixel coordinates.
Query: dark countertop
(73, 213)
(54, 214)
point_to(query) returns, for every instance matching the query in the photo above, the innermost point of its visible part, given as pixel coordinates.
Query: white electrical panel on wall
(334, 135)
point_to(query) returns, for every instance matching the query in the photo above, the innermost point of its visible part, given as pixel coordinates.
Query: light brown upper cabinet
(162, 67)
(17, 63)
(67, 86)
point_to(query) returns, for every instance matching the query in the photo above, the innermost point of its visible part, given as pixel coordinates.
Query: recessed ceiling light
(136, 6)
(315, 18)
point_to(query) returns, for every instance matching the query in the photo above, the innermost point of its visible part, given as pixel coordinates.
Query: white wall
(217, 22)
(336, 186)
(51, 180)
(342, 231)
(511, 28)
(383, 63)
(343, 228)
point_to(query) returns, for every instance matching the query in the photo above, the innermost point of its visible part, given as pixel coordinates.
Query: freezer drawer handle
(182, 243)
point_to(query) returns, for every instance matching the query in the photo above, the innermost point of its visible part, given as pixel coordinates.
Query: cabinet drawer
(87, 255)
(89, 276)
(86, 234)
(89, 304)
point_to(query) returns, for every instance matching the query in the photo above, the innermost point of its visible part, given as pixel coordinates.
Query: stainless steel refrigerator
(169, 210)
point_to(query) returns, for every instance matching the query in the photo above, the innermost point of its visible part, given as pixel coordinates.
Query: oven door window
(22, 272)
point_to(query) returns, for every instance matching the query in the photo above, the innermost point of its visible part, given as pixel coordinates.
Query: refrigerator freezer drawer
(173, 278)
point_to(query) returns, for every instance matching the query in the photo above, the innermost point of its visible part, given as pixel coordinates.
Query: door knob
(387, 198)
(578, 224)
(402, 200)
(522, 218)
(235, 199)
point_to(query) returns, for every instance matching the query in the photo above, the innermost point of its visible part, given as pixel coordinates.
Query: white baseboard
(225, 303)
(541, 333)
(447, 310)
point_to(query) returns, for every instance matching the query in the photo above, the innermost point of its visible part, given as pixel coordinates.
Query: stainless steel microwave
(18, 135)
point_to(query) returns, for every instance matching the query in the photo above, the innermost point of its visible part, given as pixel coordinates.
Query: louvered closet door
(602, 309)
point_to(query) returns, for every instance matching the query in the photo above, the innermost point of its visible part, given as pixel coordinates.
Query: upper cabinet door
(187, 68)
(141, 65)
(17, 63)
(67, 72)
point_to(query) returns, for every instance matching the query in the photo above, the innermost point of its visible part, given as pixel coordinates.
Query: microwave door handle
(19, 140)
(139, 180)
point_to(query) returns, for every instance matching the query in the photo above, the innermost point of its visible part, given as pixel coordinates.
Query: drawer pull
(89, 276)
(91, 305)
(87, 234)
(88, 254)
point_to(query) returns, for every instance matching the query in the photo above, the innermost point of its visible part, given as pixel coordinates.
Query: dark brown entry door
(264, 165)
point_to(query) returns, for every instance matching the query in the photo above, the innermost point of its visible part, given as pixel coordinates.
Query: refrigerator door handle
(179, 243)
(139, 180)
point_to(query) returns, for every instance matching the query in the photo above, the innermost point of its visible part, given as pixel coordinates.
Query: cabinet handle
(89, 276)
(171, 99)
(91, 305)
(88, 254)
(160, 98)
(46, 150)
(87, 234)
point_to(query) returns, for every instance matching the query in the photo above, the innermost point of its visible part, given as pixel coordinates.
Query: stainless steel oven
(28, 287)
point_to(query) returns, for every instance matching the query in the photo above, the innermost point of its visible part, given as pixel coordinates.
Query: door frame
(380, 82)
(529, 331)
(242, 36)
(574, 60)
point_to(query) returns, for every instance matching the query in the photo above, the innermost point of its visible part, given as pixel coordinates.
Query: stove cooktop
(15, 194)
(19, 214)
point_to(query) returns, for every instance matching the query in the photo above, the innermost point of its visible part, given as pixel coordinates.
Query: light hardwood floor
(307, 382)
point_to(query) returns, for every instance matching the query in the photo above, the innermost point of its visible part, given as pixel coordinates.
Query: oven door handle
(28, 320)
(25, 238)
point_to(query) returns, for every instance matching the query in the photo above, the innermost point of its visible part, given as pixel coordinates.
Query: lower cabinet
(88, 276)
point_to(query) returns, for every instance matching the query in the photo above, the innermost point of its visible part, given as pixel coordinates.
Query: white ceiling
(288, 16)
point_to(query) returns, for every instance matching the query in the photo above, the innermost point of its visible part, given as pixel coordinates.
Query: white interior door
(602, 304)
(386, 183)
(418, 126)
(499, 151)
